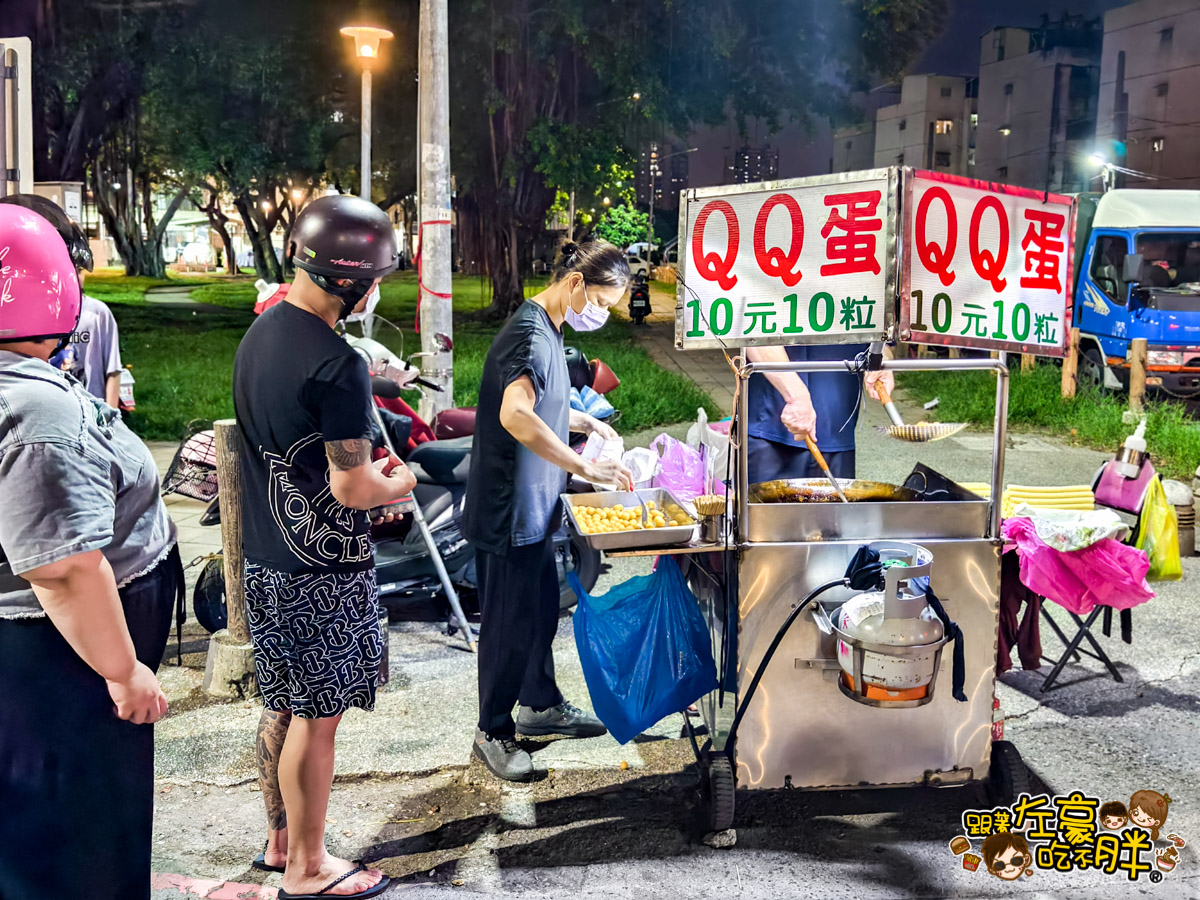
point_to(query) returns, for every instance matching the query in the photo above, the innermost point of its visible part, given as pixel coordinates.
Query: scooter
(639, 299)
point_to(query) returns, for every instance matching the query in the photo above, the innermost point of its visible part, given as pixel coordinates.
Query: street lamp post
(366, 49)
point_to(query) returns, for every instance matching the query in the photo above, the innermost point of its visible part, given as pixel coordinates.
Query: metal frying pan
(819, 490)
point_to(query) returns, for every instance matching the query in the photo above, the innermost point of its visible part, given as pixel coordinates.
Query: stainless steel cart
(800, 730)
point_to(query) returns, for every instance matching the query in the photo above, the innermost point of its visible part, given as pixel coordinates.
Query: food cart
(787, 713)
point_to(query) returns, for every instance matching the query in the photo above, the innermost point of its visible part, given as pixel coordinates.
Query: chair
(1128, 503)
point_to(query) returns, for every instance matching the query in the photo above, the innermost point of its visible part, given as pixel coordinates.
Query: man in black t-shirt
(303, 402)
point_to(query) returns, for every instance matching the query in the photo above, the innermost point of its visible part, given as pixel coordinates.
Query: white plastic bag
(716, 456)
(643, 463)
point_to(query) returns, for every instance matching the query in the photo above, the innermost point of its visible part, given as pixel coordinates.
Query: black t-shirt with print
(296, 386)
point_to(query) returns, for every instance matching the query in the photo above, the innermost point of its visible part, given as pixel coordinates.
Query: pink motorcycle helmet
(40, 295)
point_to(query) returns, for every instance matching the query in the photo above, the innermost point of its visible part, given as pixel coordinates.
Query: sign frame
(890, 238)
(910, 177)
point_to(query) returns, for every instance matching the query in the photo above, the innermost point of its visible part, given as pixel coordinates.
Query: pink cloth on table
(1107, 573)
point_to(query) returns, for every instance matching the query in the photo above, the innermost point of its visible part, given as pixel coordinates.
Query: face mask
(372, 302)
(590, 319)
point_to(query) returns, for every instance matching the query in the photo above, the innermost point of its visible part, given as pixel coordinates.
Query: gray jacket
(73, 478)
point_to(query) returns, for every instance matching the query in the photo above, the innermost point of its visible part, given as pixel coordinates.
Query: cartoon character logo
(1113, 816)
(1148, 809)
(1006, 855)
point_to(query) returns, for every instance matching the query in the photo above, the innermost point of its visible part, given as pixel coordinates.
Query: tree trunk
(508, 288)
(218, 221)
(266, 264)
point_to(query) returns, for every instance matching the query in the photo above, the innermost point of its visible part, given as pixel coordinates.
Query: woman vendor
(520, 461)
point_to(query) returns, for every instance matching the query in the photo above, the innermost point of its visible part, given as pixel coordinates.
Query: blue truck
(1137, 275)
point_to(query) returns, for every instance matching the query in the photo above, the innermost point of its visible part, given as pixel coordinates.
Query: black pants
(77, 783)
(769, 460)
(519, 606)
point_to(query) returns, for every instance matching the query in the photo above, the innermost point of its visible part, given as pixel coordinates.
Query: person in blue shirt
(785, 406)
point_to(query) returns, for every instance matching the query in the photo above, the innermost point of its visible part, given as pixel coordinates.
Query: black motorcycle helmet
(72, 234)
(342, 237)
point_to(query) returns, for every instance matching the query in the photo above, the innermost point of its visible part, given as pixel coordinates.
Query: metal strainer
(920, 433)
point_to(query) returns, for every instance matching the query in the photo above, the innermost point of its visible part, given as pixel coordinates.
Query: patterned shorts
(317, 640)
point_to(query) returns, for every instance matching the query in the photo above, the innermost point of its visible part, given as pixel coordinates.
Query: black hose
(731, 740)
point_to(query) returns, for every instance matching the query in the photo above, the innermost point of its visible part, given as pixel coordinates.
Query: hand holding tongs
(812, 448)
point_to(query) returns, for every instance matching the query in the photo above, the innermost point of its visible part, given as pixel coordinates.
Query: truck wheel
(1091, 368)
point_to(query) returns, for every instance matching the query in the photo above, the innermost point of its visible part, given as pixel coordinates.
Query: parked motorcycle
(639, 299)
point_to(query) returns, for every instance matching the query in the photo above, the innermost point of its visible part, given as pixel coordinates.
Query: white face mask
(592, 317)
(369, 309)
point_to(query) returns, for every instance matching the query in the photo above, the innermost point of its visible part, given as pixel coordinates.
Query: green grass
(183, 361)
(182, 365)
(113, 286)
(1093, 418)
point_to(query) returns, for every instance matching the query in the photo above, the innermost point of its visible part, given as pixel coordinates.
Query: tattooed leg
(272, 729)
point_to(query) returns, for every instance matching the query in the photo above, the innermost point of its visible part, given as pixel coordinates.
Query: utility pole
(650, 225)
(433, 208)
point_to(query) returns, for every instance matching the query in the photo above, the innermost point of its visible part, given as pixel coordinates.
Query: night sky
(956, 52)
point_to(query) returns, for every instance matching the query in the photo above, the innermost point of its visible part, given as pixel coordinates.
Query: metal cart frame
(800, 731)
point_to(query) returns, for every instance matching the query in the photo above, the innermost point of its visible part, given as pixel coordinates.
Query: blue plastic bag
(588, 401)
(645, 650)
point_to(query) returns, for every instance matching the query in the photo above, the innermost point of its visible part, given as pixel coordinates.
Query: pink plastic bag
(1108, 572)
(680, 468)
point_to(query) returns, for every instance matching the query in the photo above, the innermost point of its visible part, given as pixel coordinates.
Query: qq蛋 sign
(808, 260)
(985, 265)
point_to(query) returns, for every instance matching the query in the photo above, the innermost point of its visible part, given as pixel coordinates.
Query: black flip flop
(260, 862)
(323, 894)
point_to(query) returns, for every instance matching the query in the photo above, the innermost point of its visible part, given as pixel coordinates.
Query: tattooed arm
(358, 483)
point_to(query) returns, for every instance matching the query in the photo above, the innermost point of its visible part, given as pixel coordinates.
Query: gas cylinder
(884, 625)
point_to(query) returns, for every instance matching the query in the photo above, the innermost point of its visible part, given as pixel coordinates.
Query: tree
(623, 225)
(96, 69)
(249, 116)
(527, 74)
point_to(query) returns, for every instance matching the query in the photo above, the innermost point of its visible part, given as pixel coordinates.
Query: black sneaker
(503, 757)
(563, 719)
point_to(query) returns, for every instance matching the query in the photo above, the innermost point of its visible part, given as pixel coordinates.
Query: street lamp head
(607, 201)
(1097, 160)
(637, 95)
(366, 40)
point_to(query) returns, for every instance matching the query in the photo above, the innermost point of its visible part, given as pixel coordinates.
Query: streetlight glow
(1097, 160)
(366, 48)
(366, 39)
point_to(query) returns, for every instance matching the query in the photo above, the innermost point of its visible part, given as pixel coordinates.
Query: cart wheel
(1008, 778)
(719, 791)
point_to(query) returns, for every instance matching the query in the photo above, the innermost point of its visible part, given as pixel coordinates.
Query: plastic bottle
(1136, 442)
